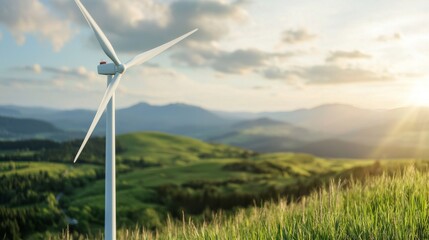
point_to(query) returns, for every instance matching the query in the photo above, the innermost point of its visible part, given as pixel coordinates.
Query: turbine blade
(106, 98)
(145, 56)
(101, 37)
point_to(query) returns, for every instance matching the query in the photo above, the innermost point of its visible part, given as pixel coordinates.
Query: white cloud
(388, 38)
(62, 72)
(143, 24)
(295, 36)
(240, 61)
(326, 75)
(158, 85)
(330, 74)
(37, 68)
(245, 61)
(34, 17)
(338, 55)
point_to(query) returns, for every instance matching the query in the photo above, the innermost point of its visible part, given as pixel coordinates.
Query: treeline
(20, 189)
(50, 151)
(32, 145)
(198, 197)
(21, 222)
(29, 203)
(92, 153)
(229, 153)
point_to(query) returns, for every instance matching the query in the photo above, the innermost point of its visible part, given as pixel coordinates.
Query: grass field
(160, 177)
(391, 206)
(54, 169)
(168, 149)
(386, 207)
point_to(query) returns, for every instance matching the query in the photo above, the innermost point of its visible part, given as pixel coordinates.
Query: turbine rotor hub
(110, 68)
(120, 68)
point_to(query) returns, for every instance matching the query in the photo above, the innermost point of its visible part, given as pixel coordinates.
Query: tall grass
(385, 207)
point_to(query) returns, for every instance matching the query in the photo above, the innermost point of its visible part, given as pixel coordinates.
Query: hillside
(165, 149)
(21, 128)
(385, 207)
(401, 132)
(265, 135)
(157, 175)
(172, 118)
(143, 147)
(333, 119)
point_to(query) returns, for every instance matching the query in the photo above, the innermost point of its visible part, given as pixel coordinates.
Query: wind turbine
(114, 72)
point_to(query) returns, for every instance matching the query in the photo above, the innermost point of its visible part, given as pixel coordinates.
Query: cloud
(49, 78)
(389, 38)
(297, 36)
(18, 81)
(37, 68)
(337, 55)
(33, 17)
(244, 61)
(330, 74)
(168, 85)
(278, 73)
(143, 24)
(325, 74)
(201, 55)
(149, 23)
(79, 72)
(240, 61)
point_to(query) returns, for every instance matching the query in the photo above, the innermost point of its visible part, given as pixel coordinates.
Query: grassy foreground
(385, 207)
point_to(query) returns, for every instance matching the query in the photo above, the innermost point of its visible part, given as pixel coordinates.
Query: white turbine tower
(114, 72)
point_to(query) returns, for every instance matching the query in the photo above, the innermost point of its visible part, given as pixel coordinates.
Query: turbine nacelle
(110, 68)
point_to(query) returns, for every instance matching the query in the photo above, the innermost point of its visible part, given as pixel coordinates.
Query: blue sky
(248, 55)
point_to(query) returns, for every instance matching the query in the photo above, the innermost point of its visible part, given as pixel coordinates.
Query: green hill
(158, 175)
(266, 135)
(15, 127)
(144, 148)
(385, 207)
(161, 148)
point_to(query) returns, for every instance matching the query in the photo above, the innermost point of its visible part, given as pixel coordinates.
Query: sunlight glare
(419, 95)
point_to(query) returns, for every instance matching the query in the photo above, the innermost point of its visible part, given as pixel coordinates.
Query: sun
(419, 94)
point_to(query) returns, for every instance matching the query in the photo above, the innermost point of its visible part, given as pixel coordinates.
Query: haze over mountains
(333, 130)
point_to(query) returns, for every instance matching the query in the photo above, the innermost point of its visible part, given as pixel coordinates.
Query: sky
(248, 55)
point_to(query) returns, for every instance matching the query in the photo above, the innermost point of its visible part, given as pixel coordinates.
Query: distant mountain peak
(263, 121)
(143, 105)
(140, 105)
(182, 105)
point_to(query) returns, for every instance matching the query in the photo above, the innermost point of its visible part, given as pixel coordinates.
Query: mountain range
(333, 130)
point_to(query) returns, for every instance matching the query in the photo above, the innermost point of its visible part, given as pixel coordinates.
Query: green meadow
(391, 206)
(172, 187)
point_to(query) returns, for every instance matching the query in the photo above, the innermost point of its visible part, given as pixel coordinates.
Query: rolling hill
(172, 118)
(316, 130)
(25, 128)
(165, 149)
(158, 175)
(265, 135)
(21, 128)
(331, 119)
